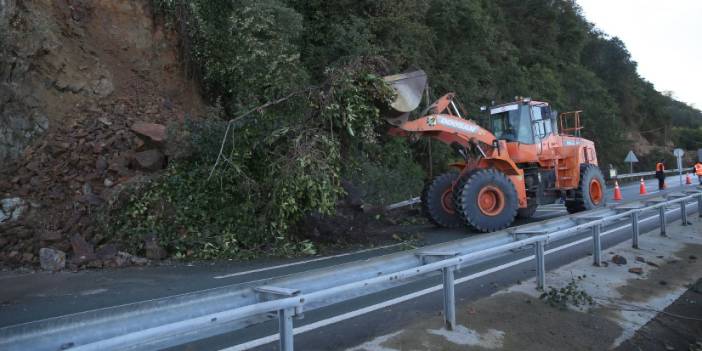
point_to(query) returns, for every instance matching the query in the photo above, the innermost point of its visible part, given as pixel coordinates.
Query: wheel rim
(595, 192)
(491, 200)
(447, 201)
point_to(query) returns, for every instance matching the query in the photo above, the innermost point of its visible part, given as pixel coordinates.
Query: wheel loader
(529, 155)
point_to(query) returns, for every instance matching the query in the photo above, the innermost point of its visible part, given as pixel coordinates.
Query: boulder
(12, 208)
(619, 260)
(150, 133)
(149, 160)
(82, 250)
(51, 259)
(154, 251)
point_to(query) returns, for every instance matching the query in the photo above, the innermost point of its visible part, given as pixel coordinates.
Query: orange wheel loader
(529, 156)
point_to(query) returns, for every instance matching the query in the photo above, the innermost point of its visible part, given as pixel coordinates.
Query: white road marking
(303, 262)
(325, 322)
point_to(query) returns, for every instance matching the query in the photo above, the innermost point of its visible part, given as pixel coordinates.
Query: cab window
(512, 125)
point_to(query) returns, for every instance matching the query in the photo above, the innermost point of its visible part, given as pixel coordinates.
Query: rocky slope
(75, 77)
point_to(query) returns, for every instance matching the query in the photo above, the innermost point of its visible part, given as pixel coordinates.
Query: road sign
(630, 157)
(679, 154)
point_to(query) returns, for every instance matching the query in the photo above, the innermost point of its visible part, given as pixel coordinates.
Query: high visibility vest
(698, 169)
(660, 167)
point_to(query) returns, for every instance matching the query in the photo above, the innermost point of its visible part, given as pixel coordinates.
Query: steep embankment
(74, 77)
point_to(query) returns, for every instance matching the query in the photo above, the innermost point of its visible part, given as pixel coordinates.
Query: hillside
(301, 80)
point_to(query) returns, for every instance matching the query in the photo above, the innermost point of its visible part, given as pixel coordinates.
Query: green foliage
(277, 168)
(386, 172)
(570, 294)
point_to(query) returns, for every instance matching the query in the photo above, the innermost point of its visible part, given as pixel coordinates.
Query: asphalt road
(37, 296)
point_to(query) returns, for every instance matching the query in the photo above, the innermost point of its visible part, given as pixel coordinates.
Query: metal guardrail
(652, 173)
(185, 318)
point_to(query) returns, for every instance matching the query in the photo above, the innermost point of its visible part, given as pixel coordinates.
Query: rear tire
(437, 201)
(488, 200)
(591, 190)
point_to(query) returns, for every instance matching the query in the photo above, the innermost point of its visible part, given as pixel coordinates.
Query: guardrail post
(699, 205)
(596, 245)
(540, 265)
(449, 298)
(683, 212)
(285, 327)
(661, 215)
(635, 229)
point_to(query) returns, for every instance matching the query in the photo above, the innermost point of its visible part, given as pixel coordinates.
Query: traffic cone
(617, 192)
(688, 180)
(642, 188)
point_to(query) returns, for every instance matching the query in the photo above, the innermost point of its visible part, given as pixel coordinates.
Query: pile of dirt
(92, 70)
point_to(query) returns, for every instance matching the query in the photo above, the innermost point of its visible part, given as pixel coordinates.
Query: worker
(698, 171)
(660, 174)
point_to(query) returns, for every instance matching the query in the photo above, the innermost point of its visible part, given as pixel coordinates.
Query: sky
(663, 36)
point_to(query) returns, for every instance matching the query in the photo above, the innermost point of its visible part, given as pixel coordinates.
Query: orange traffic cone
(642, 188)
(688, 180)
(617, 192)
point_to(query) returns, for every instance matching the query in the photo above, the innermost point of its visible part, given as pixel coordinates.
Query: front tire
(437, 201)
(488, 200)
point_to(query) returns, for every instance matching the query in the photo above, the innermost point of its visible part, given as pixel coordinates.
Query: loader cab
(524, 121)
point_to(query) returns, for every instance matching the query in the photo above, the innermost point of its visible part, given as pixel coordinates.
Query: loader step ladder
(560, 167)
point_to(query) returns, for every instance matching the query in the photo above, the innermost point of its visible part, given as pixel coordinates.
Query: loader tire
(591, 190)
(437, 201)
(488, 201)
(457, 191)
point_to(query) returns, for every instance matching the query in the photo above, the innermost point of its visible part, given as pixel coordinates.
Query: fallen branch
(240, 117)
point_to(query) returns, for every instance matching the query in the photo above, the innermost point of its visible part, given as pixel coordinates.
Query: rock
(636, 270)
(106, 252)
(692, 257)
(152, 133)
(150, 160)
(640, 259)
(50, 235)
(619, 260)
(82, 250)
(12, 208)
(94, 264)
(154, 251)
(652, 264)
(103, 87)
(90, 199)
(124, 258)
(27, 257)
(101, 164)
(108, 183)
(51, 259)
(139, 261)
(353, 194)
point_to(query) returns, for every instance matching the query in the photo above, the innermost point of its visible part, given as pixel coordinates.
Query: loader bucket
(410, 88)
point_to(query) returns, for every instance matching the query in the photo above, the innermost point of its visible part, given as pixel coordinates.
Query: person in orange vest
(698, 171)
(660, 174)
